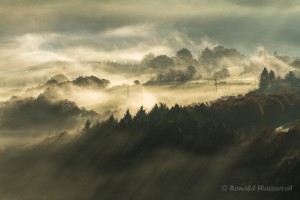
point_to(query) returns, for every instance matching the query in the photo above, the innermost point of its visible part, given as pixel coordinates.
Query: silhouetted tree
(264, 79)
(126, 120)
(223, 73)
(136, 82)
(59, 78)
(86, 127)
(174, 76)
(290, 76)
(112, 121)
(272, 75)
(211, 58)
(163, 107)
(140, 117)
(161, 61)
(207, 57)
(190, 72)
(184, 53)
(91, 81)
(154, 117)
(153, 113)
(147, 60)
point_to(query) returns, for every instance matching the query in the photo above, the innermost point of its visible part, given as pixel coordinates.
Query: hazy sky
(39, 30)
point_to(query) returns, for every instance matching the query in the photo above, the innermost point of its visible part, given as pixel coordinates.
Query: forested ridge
(177, 152)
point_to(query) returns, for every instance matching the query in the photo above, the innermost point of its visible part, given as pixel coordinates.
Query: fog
(125, 96)
(133, 79)
(39, 65)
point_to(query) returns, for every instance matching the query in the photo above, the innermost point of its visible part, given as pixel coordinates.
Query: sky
(38, 30)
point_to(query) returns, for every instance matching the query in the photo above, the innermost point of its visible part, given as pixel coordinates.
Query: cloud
(234, 23)
(265, 3)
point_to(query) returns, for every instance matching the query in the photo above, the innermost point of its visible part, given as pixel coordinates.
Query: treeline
(210, 59)
(86, 81)
(248, 125)
(173, 76)
(206, 127)
(184, 66)
(41, 113)
(271, 83)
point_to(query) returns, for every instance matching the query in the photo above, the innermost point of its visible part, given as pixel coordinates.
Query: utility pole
(216, 85)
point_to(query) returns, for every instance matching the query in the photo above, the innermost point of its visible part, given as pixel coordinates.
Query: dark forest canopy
(86, 81)
(41, 112)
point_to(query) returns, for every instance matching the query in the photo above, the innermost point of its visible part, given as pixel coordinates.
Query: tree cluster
(174, 76)
(266, 79)
(211, 58)
(269, 82)
(223, 73)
